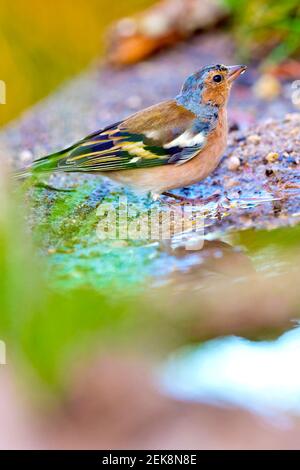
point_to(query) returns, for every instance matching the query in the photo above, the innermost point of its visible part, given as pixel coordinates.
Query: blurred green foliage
(47, 327)
(270, 26)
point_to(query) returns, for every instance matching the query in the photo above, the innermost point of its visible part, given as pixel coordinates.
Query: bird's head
(209, 86)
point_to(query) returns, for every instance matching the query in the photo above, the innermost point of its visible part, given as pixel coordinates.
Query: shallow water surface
(260, 376)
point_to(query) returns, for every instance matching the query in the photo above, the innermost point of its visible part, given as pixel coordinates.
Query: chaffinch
(166, 146)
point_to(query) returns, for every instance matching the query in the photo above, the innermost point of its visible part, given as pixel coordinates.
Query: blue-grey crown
(196, 79)
(191, 92)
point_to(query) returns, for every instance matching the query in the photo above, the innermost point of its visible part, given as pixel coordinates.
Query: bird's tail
(19, 175)
(46, 164)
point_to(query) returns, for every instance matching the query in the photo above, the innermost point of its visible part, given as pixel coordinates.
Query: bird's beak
(234, 71)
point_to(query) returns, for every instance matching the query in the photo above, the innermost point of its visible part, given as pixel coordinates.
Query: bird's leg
(175, 196)
(185, 200)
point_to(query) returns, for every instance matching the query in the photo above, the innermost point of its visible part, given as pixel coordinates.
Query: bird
(169, 145)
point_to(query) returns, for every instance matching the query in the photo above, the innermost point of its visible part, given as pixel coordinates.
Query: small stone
(25, 156)
(230, 183)
(267, 87)
(292, 117)
(254, 139)
(234, 127)
(240, 138)
(295, 132)
(272, 157)
(233, 163)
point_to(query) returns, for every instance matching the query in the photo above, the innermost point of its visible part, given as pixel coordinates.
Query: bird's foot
(194, 201)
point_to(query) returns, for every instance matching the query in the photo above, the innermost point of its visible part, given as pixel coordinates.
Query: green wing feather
(137, 142)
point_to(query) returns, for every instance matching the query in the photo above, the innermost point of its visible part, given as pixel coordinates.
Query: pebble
(295, 132)
(289, 117)
(272, 157)
(254, 139)
(233, 163)
(230, 183)
(267, 87)
(234, 127)
(240, 138)
(25, 156)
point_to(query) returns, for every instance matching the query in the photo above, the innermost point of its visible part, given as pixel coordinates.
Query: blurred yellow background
(44, 43)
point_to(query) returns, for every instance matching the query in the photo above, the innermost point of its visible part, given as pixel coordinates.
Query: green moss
(65, 228)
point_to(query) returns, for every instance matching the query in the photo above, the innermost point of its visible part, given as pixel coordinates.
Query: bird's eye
(217, 78)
